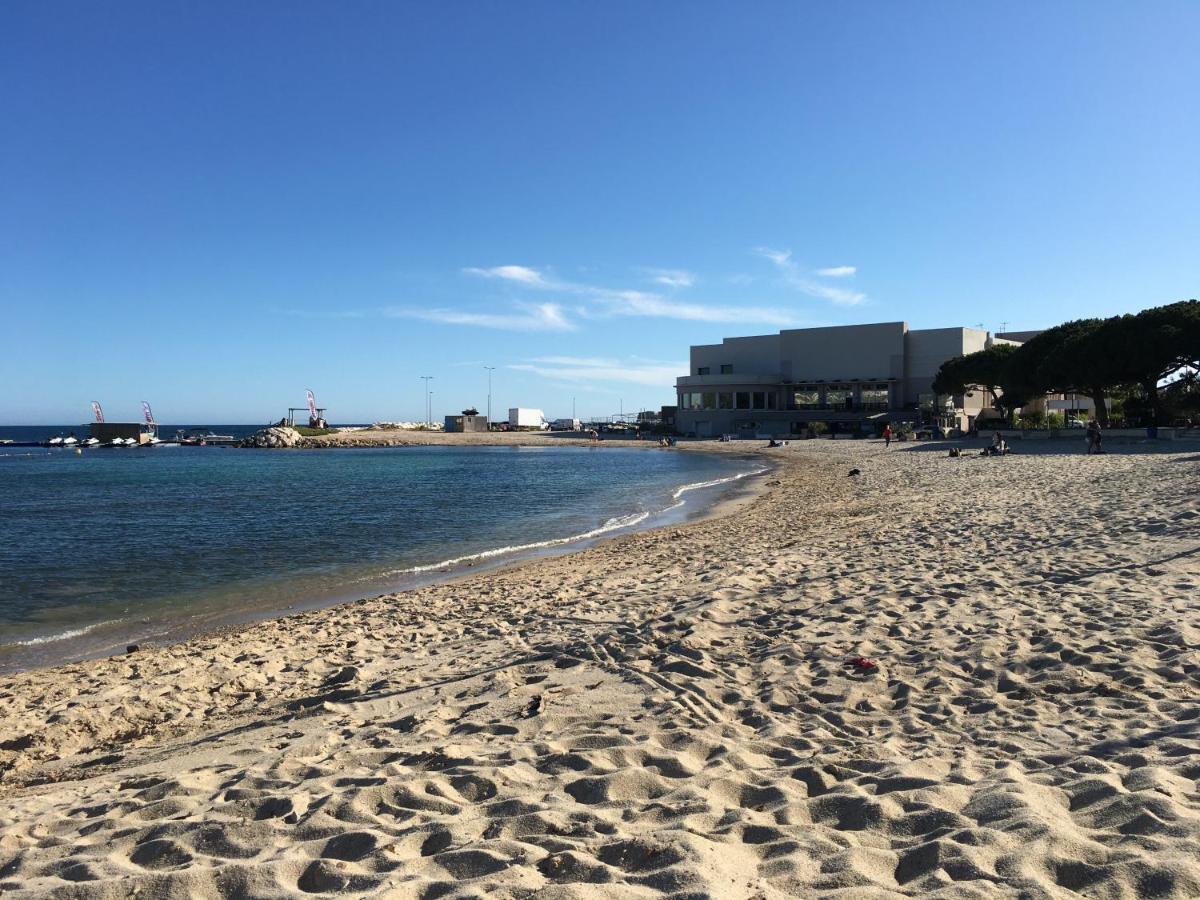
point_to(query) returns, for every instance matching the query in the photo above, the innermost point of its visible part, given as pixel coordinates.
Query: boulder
(274, 437)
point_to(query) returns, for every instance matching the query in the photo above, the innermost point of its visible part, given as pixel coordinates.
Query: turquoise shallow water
(131, 544)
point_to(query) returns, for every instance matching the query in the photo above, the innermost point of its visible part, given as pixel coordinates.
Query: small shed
(466, 423)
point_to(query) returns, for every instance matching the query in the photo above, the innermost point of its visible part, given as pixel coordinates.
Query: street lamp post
(490, 369)
(427, 379)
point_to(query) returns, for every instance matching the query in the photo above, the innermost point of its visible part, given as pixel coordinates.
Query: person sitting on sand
(999, 446)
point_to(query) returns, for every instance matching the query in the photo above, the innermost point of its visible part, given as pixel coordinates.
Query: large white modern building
(852, 378)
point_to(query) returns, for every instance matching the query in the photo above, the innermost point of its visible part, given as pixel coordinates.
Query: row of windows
(840, 396)
(808, 396)
(728, 400)
(726, 369)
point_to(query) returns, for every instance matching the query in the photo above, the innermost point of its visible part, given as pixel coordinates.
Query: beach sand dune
(672, 713)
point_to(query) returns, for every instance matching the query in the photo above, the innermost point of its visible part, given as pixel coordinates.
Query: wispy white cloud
(779, 257)
(640, 303)
(606, 301)
(837, 272)
(519, 274)
(672, 278)
(802, 281)
(530, 317)
(840, 296)
(590, 370)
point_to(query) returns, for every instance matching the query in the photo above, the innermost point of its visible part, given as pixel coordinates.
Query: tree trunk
(1101, 406)
(1151, 389)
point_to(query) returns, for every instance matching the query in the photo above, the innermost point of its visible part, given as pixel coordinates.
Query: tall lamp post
(427, 379)
(490, 369)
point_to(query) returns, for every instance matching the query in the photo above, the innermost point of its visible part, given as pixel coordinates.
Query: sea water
(113, 545)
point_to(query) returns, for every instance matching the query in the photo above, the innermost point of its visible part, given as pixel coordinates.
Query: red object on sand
(862, 664)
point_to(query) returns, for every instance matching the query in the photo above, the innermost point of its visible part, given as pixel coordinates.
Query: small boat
(201, 438)
(70, 441)
(90, 442)
(54, 442)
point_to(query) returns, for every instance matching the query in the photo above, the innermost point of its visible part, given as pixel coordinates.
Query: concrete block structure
(852, 378)
(465, 423)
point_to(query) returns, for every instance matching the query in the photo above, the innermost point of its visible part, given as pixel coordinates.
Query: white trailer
(526, 418)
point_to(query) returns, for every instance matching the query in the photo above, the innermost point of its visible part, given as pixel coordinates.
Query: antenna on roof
(1003, 327)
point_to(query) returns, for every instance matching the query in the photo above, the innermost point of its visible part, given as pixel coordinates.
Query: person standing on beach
(1094, 437)
(887, 435)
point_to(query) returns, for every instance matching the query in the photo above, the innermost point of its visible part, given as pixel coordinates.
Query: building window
(772, 400)
(760, 400)
(839, 396)
(724, 400)
(710, 400)
(726, 369)
(742, 399)
(704, 370)
(806, 396)
(875, 396)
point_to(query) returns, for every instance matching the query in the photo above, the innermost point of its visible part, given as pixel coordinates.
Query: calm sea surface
(113, 545)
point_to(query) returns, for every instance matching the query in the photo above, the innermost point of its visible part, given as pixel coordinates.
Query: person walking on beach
(1094, 437)
(887, 435)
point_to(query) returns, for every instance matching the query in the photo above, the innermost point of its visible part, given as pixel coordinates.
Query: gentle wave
(679, 492)
(61, 636)
(613, 524)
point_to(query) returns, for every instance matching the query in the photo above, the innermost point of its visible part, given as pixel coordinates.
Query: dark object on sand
(955, 451)
(853, 472)
(131, 648)
(535, 706)
(862, 664)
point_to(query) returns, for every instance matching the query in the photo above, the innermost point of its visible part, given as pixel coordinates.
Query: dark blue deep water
(116, 545)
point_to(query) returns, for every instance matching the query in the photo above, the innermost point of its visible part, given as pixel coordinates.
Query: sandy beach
(672, 713)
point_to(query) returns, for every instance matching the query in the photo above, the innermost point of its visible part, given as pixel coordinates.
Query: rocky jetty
(274, 437)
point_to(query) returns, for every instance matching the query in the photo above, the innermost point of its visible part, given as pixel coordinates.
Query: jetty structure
(104, 432)
(316, 414)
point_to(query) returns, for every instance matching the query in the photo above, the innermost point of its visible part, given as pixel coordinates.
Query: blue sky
(215, 206)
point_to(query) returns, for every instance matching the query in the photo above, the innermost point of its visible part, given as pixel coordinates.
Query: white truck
(566, 425)
(527, 418)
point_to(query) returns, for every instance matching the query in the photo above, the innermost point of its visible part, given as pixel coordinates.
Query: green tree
(1068, 358)
(1149, 347)
(986, 369)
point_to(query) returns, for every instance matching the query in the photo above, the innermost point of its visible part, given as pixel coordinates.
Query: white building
(851, 377)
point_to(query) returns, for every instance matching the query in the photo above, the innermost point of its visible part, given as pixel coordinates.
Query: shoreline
(671, 711)
(20, 656)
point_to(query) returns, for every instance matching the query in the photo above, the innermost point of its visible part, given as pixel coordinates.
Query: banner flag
(146, 412)
(97, 411)
(312, 405)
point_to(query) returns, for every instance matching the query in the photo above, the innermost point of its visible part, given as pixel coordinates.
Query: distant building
(851, 378)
